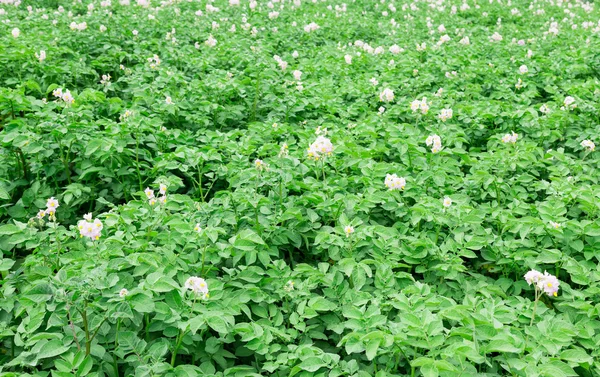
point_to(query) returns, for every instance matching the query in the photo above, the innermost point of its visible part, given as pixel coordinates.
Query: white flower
(510, 138)
(433, 140)
(197, 285)
(123, 292)
(16, 32)
(569, 102)
(421, 47)
(523, 69)
(373, 81)
(387, 95)
(321, 147)
(555, 225)
(295, 54)
(311, 27)
(283, 151)
(393, 182)
(589, 145)
(105, 79)
(211, 41)
(533, 276)
(289, 286)
(445, 114)
(135, 32)
(544, 109)
(496, 37)
(447, 202)
(90, 229)
(41, 213)
(381, 109)
(260, 164)
(149, 193)
(168, 100)
(348, 229)
(465, 41)
(297, 74)
(162, 189)
(443, 39)
(41, 56)
(519, 84)
(51, 205)
(67, 97)
(549, 284)
(395, 49)
(102, 28)
(348, 59)
(198, 228)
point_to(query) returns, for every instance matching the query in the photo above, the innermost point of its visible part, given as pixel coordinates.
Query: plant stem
(86, 329)
(177, 345)
(203, 256)
(137, 162)
(534, 306)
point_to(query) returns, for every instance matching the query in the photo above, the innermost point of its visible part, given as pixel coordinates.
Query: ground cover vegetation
(299, 188)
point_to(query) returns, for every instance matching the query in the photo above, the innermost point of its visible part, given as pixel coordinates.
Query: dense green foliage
(313, 267)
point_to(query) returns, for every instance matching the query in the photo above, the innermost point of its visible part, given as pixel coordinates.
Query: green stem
(203, 257)
(200, 182)
(137, 162)
(534, 306)
(177, 345)
(86, 329)
(254, 105)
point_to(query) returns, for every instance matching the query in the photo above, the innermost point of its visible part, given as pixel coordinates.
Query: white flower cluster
(105, 80)
(154, 61)
(41, 56)
(198, 286)
(589, 145)
(260, 165)
(435, 142)
(289, 286)
(322, 147)
(544, 282)
(496, 37)
(211, 41)
(445, 114)
(282, 63)
(387, 95)
(51, 206)
(152, 199)
(393, 182)
(89, 228)
(447, 202)
(311, 27)
(510, 138)
(420, 105)
(569, 103)
(64, 95)
(80, 27)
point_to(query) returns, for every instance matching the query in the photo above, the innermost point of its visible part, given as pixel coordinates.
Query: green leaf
(85, 367)
(371, 348)
(52, 348)
(8, 229)
(312, 364)
(556, 368)
(321, 304)
(218, 324)
(576, 356)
